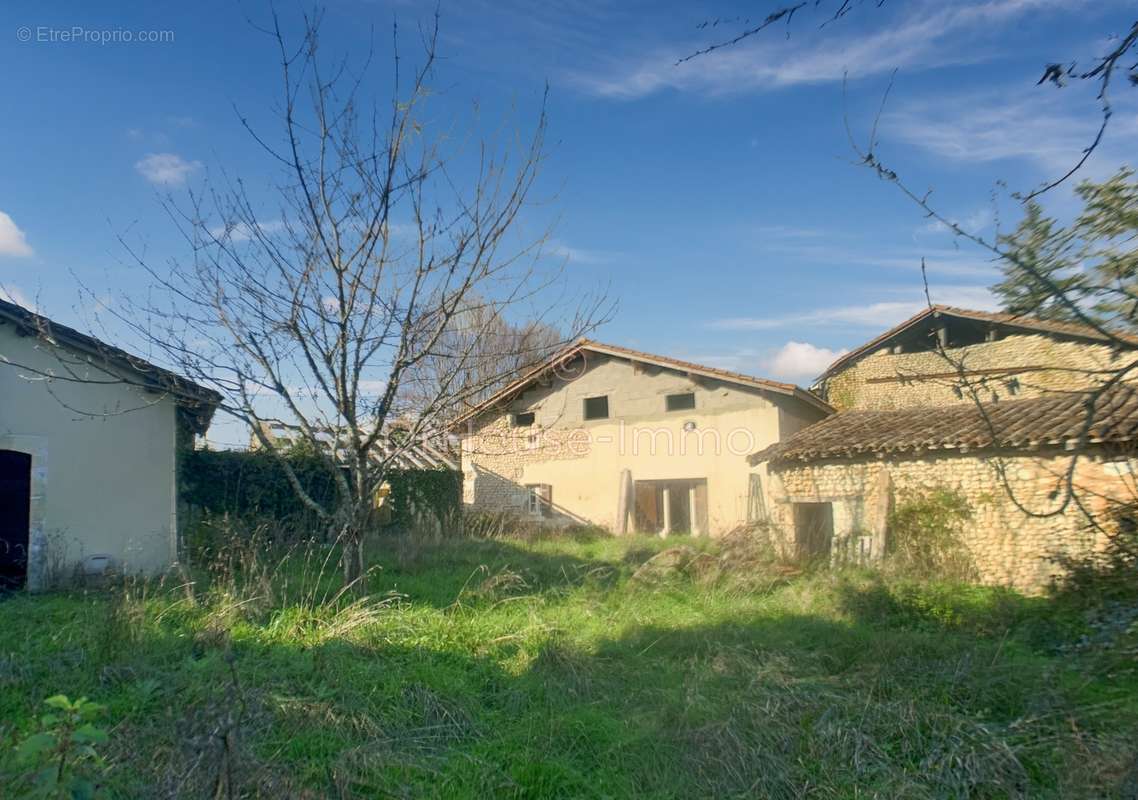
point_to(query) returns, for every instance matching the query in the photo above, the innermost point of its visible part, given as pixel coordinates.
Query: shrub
(925, 536)
(1110, 575)
(254, 485)
(59, 760)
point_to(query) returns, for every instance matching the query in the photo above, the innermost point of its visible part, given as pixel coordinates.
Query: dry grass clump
(537, 668)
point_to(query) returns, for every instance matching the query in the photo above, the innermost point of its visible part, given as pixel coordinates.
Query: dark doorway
(813, 529)
(15, 517)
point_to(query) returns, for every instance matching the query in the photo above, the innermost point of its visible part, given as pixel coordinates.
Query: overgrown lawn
(539, 670)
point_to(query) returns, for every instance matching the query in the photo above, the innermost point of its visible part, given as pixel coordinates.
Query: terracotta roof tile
(1055, 420)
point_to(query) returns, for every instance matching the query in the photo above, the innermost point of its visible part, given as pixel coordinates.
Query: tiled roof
(1067, 419)
(1055, 327)
(645, 358)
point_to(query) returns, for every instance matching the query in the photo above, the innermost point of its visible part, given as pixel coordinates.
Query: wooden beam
(930, 376)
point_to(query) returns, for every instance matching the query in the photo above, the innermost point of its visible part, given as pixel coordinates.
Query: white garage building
(89, 443)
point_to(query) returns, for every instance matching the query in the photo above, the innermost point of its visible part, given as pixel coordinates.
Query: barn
(89, 444)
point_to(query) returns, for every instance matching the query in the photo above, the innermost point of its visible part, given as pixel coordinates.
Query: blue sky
(718, 199)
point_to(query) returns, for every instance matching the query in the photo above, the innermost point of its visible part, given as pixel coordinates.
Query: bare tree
(389, 241)
(500, 349)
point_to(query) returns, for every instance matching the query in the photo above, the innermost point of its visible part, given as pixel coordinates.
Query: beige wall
(102, 483)
(1010, 546)
(582, 460)
(885, 380)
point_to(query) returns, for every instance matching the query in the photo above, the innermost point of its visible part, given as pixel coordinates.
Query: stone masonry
(1013, 538)
(1015, 367)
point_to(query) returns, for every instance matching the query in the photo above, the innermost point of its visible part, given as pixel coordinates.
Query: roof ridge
(585, 343)
(1026, 321)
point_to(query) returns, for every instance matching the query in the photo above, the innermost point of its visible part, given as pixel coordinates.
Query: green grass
(539, 670)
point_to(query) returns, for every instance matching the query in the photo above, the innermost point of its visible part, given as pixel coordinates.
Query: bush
(253, 485)
(60, 761)
(925, 536)
(1110, 575)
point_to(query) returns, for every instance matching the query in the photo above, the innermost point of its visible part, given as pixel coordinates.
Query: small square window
(597, 407)
(679, 402)
(523, 420)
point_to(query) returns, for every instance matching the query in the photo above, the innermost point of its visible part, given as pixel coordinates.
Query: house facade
(89, 441)
(631, 441)
(1010, 413)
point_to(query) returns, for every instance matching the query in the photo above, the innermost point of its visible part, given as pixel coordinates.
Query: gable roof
(197, 399)
(575, 349)
(1067, 419)
(1072, 330)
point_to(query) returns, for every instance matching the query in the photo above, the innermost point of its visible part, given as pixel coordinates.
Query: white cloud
(868, 315)
(168, 169)
(243, 231)
(1039, 125)
(838, 250)
(13, 242)
(799, 361)
(13, 294)
(576, 255)
(946, 261)
(882, 314)
(972, 223)
(928, 35)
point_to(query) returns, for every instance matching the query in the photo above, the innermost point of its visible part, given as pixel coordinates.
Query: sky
(718, 201)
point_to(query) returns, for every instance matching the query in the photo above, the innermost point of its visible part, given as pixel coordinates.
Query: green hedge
(254, 484)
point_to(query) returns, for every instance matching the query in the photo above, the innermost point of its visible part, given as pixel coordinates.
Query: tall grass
(534, 667)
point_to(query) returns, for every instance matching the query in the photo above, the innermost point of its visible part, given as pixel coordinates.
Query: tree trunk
(352, 556)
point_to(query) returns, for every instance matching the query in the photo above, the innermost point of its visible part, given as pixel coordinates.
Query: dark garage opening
(813, 529)
(15, 517)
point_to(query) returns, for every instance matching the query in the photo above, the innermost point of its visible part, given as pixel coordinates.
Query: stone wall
(494, 462)
(1011, 367)
(1010, 546)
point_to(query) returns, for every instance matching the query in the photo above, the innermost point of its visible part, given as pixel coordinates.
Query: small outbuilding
(89, 443)
(1022, 418)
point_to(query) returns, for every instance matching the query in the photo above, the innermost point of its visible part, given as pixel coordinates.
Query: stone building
(627, 440)
(1008, 412)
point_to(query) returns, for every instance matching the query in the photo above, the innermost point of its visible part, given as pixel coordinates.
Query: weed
(60, 760)
(925, 536)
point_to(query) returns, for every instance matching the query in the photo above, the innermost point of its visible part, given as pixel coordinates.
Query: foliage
(254, 484)
(1110, 575)
(925, 536)
(1087, 271)
(60, 759)
(475, 655)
